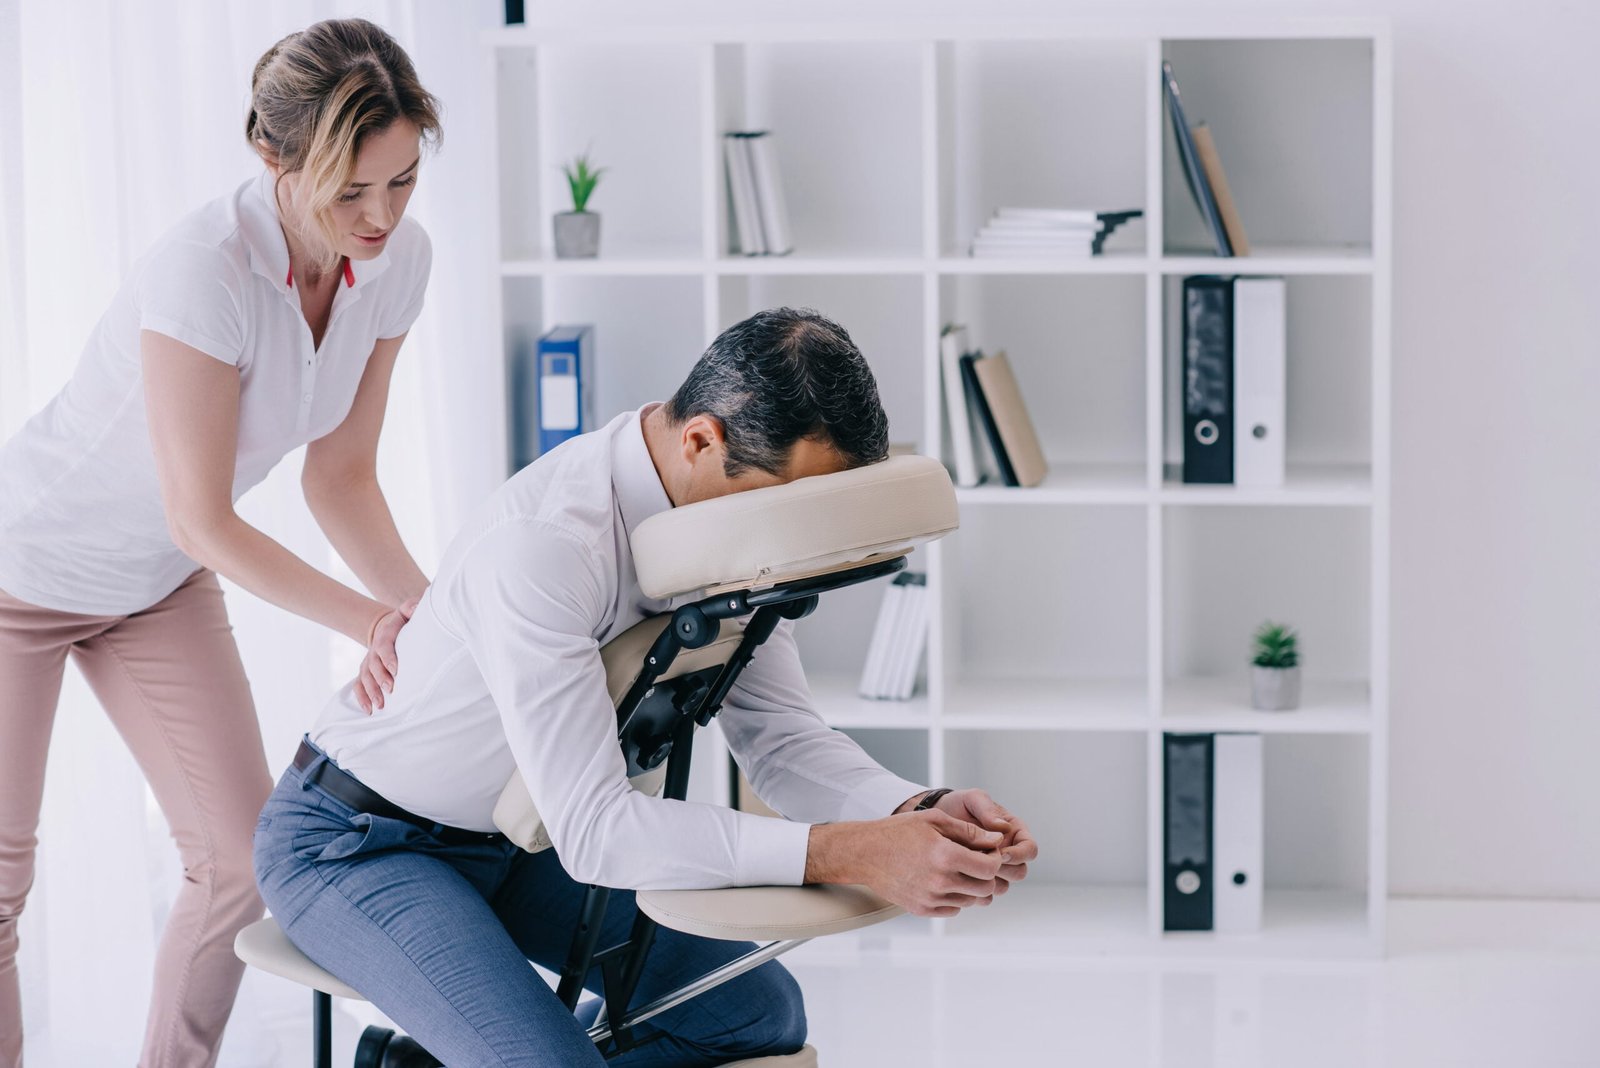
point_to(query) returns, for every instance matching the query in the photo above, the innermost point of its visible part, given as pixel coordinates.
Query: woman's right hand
(379, 666)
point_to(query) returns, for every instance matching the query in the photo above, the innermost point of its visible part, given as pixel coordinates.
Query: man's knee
(783, 1017)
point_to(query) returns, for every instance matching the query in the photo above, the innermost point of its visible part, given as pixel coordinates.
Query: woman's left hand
(379, 666)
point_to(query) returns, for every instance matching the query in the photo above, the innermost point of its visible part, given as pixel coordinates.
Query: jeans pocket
(367, 834)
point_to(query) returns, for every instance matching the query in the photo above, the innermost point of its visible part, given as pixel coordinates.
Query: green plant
(1277, 646)
(583, 178)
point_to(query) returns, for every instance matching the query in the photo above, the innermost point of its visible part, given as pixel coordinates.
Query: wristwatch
(930, 799)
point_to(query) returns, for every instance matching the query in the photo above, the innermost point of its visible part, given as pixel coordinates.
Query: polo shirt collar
(269, 250)
(638, 487)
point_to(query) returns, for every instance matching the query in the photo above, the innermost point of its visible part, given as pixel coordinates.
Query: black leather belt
(353, 792)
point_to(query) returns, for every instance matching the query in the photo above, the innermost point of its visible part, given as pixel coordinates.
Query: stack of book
(991, 434)
(1048, 233)
(760, 223)
(894, 654)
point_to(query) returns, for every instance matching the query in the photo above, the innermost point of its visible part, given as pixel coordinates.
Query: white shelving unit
(1077, 621)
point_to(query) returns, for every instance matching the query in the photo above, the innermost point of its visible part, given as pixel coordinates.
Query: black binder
(1207, 379)
(1187, 768)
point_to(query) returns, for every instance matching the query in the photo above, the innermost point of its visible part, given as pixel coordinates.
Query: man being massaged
(415, 901)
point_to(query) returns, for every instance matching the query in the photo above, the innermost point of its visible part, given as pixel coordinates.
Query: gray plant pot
(577, 235)
(1274, 689)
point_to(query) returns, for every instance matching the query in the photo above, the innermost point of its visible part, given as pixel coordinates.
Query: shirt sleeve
(190, 292)
(528, 600)
(407, 310)
(795, 762)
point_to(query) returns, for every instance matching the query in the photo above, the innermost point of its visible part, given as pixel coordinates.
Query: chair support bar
(601, 1031)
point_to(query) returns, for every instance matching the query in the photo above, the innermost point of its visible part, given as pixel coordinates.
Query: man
(377, 852)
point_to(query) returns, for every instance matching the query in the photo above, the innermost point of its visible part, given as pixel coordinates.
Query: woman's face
(367, 210)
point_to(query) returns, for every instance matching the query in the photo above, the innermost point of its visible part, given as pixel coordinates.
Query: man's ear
(701, 439)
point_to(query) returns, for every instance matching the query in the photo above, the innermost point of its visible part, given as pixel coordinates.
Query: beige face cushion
(810, 526)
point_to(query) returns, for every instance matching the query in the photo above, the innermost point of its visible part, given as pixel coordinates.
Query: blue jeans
(439, 937)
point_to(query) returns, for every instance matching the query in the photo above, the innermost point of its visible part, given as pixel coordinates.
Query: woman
(268, 319)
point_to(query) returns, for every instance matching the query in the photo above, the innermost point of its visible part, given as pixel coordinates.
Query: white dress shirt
(500, 671)
(82, 527)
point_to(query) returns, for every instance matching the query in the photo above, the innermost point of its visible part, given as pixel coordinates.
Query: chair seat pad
(804, 1057)
(766, 913)
(810, 526)
(264, 945)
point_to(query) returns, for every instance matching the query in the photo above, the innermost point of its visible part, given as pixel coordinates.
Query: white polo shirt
(500, 672)
(82, 528)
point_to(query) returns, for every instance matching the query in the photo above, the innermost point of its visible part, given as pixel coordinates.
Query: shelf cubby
(581, 93)
(1229, 569)
(852, 188)
(1293, 122)
(1070, 133)
(1328, 395)
(1077, 347)
(1045, 621)
(648, 332)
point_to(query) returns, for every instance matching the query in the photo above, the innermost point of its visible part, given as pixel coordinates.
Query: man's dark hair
(780, 376)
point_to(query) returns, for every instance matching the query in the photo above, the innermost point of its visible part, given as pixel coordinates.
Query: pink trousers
(171, 680)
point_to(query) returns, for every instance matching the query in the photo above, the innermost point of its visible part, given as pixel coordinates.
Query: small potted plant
(1275, 677)
(578, 231)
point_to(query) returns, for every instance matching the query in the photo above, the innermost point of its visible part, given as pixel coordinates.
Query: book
(991, 433)
(1193, 174)
(1066, 233)
(1205, 147)
(1009, 413)
(745, 233)
(771, 208)
(952, 343)
(873, 669)
(910, 639)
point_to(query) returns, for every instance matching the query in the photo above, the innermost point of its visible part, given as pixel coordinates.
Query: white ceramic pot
(577, 235)
(1274, 689)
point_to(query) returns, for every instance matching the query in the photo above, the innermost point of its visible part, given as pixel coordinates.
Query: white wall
(1496, 533)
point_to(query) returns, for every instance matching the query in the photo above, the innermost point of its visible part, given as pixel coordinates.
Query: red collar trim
(349, 275)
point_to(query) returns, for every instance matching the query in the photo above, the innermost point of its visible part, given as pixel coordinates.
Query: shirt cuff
(771, 852)
(879, 798)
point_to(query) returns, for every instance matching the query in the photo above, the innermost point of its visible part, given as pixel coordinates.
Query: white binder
(1236, 829)
(1259, 373)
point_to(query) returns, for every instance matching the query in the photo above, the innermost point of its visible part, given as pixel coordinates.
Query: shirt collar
(269, 251)
(638, 487)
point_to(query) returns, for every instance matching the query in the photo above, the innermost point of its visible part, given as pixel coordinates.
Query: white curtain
(116, 119)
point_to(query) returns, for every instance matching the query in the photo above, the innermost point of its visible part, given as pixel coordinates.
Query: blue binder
(566, 385)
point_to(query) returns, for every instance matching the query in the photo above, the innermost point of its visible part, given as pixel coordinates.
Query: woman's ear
(268, 156)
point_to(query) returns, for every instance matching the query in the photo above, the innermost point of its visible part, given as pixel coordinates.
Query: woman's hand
(379, 666)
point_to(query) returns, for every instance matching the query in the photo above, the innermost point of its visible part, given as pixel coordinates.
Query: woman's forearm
(357, 521)
(233, 548)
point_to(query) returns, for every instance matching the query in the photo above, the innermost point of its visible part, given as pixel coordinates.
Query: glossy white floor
(1465, 985)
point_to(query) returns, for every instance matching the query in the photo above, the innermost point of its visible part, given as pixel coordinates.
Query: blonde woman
(269, 319)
